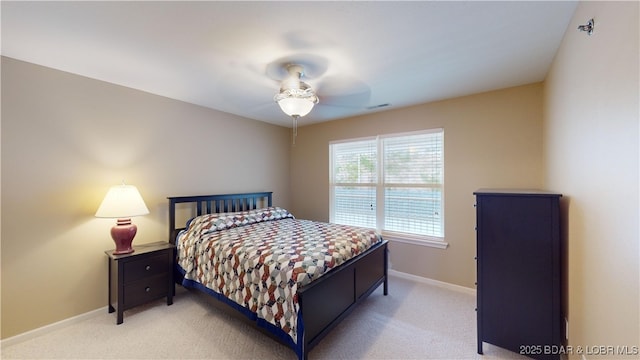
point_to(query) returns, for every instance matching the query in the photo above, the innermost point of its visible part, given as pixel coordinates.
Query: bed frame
(324, 302)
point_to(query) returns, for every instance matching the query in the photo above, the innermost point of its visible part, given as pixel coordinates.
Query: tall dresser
(519, 271)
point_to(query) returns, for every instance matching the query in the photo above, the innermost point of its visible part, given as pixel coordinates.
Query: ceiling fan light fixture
(295, 106)
(296, 102)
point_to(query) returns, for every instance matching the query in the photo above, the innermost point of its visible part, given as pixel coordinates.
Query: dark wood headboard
(212, 204)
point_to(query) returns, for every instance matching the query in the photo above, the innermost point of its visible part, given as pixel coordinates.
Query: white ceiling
(358, 55)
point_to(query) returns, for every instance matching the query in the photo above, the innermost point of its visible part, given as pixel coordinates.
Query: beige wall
(66, 139)
(591, 118)
(492, 139)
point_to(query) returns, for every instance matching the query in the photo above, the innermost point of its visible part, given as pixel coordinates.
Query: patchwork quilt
(260, 258)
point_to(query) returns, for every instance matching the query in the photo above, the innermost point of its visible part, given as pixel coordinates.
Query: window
(393, 183)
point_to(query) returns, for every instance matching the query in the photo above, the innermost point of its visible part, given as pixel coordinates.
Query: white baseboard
(428, 281)
(50, 328)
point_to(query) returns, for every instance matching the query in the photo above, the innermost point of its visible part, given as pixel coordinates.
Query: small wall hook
(588, 27)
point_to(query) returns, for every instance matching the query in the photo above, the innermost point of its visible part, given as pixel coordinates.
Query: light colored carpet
(415, 321)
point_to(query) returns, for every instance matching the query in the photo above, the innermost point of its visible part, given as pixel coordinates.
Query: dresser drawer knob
(148, 267)
(147, 289)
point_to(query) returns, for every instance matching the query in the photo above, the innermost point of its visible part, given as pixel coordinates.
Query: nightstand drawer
(146, 267)
(139, 292)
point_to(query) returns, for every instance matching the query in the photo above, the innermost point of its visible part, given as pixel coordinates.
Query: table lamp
(122, 202)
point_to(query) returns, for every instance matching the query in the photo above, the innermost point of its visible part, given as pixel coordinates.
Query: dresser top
(521, 192)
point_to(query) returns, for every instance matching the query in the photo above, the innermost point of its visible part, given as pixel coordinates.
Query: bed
(299, 298)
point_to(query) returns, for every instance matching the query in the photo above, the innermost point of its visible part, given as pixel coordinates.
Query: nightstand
(140, 277)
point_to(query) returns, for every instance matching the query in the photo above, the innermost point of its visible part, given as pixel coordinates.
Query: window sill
(423, 241)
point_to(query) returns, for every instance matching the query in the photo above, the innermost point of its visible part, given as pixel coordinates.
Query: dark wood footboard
(324, 302)
(331, 298)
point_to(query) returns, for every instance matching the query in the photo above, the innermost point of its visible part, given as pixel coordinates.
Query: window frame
(411, 238)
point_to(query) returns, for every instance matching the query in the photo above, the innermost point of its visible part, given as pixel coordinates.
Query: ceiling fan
(261, 84)
(297, 98)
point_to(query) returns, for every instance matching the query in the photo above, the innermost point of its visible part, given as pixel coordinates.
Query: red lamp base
(123, 233)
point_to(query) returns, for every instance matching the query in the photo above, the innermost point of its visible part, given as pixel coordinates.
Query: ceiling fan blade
(313, 66)
(343, 91)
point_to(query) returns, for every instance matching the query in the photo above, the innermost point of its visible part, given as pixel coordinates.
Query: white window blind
(413, 179)
(355, 176)
(393, 183)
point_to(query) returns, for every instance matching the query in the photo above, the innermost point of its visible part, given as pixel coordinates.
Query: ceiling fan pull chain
(295, 128)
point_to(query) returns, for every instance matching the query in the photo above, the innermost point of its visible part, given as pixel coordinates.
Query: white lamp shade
(293, 106)
(122, 201)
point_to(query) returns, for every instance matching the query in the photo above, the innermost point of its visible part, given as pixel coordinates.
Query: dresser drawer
(142, 291)
(145, 267)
